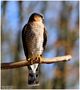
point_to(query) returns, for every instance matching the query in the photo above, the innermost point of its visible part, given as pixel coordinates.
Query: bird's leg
(32, 59)
(35, 57)
(29, 59)
(38, 57)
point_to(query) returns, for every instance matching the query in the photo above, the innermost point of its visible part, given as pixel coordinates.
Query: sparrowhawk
(34, 40)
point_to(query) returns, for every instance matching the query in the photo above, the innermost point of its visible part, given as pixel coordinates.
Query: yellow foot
(29, 59)
(39, 58)
(35, 58)
(32, 59)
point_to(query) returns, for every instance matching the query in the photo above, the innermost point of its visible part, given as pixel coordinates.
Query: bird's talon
(39, 58)
(29, 59)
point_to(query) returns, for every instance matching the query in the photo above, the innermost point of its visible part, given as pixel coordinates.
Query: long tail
(33, 74)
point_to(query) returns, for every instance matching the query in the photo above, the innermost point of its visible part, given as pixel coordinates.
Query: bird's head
(36, 17)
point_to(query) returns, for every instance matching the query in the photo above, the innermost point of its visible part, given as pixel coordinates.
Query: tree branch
(42, 61)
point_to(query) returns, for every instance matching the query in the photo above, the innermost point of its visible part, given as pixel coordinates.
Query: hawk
(34, 38)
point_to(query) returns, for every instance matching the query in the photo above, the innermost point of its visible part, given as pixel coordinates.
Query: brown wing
(45, 38)
(24, 40)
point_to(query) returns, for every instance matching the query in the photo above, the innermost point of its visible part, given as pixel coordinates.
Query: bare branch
(24, 62)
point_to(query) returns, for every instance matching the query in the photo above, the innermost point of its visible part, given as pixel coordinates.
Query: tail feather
(33, 76)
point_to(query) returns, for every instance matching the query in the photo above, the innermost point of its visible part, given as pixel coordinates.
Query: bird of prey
(34, 38)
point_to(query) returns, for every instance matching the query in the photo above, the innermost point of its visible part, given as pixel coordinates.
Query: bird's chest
(38, 30)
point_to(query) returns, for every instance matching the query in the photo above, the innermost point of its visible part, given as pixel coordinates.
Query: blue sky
(52, 11)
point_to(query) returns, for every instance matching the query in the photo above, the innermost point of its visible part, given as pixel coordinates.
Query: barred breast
(38, 30)
(34, 39)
